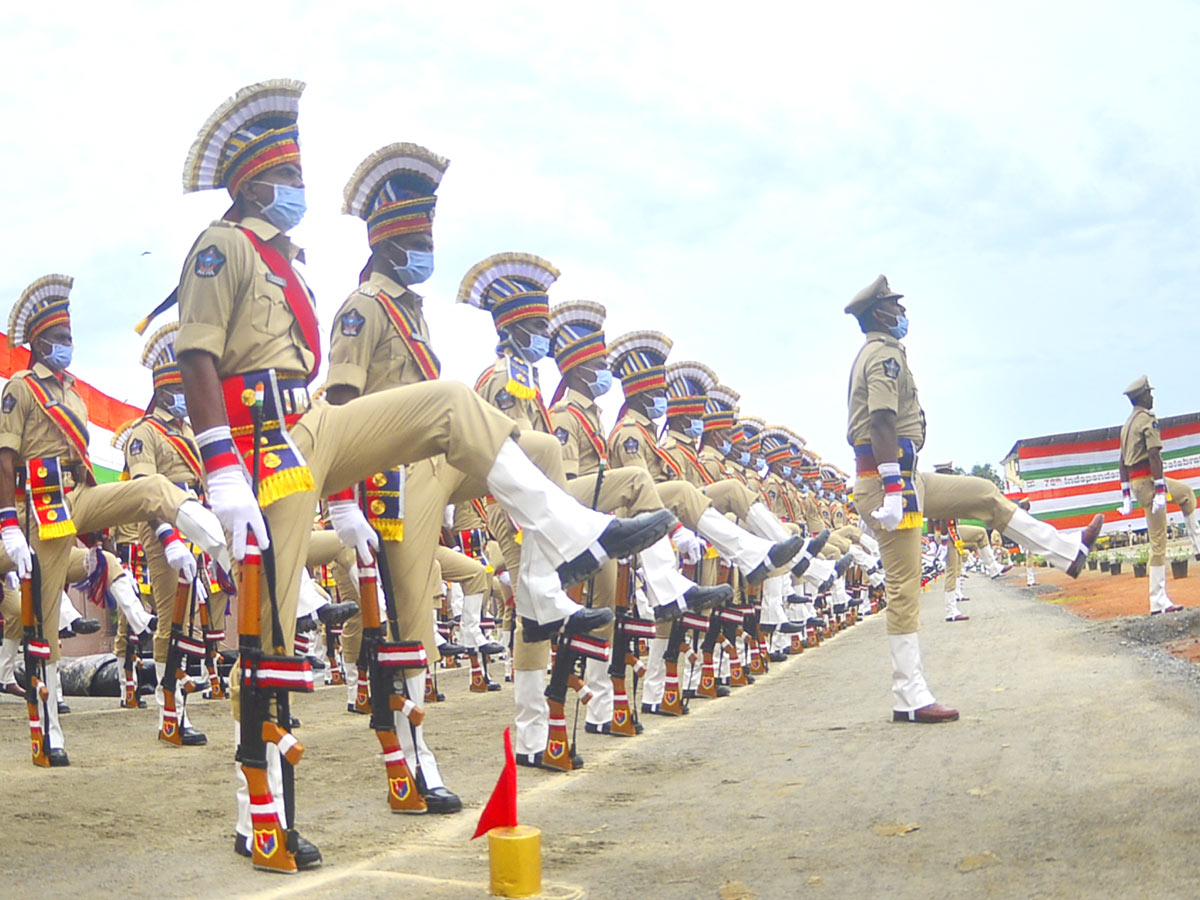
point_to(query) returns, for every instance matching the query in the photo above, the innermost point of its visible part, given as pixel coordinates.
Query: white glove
(890, 514)
(11, 581)
(352, 527)
(1126, 498)
(1159, 503)
(17, 549)
(233, 502)
(690, 547)
(178, 556)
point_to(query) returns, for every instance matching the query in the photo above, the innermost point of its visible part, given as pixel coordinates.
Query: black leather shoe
(449, 649)
(839, 569)
(307, 854)
(781, 656)
(815, 623)
(65, 633)
(586, 620)
(529, 760)
(491, 648)
(593, 728)
(812, 549)
(58, 758)
(622, 537)
(723, 691)
(1088, 538)
(532, 632)
(791, 627)
(495, 686)
(13, 688)
(778, 555)
(336, 614)
(63, 709)
(85, 626)
(305, 624)
(193, 738)
(700, 598)
(668, 612)
(241, 845)
(689, 693)
(351, 708)
(440, 800)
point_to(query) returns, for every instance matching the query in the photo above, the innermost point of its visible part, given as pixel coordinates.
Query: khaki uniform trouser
(94, 509)
(953, 567)
(973, 537)
(731, 496)
(848, 533)
(1156, 523)
(345, 444)
(964, 497)
(900, 551)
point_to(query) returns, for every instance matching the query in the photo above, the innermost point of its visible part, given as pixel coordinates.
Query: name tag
(419, 338)
(276, 280)
(50, 404)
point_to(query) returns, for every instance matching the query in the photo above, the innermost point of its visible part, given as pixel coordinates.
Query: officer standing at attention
(1142, 476)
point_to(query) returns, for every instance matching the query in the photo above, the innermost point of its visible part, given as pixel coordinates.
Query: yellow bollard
(515, 859)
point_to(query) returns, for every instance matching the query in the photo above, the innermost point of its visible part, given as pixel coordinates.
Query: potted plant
(1140, 562)
(1106, 562)
(1179, 564)
(1093, 561)
(1114, 567)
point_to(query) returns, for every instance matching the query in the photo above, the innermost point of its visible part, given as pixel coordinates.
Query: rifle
(176, 681)
(265, 680)
(129, 696)
(212, 641)
(626, 632)
(37, 653)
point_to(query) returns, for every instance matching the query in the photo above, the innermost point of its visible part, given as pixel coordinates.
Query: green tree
(986, 471)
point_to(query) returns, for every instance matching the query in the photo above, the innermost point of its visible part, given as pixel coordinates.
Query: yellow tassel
(911, 520)
(284, 483)
(519, 390)
(519, 537)
(141, 326)
(711, 552)
(66, 528)
(389, 529)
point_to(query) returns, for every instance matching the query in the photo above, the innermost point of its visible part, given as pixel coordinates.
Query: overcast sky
(728, 174)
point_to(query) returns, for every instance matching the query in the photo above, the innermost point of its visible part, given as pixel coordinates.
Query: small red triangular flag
(501, 809)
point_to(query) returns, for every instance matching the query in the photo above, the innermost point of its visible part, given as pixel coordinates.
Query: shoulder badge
(631, 445)
(368, 290)
(352, 323)
(505, 400)
(209, 262)
(891, 368)
(562, 435)
(135, 447)
(9, 403)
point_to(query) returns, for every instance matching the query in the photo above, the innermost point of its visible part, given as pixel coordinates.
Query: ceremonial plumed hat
(948, 466)
(688, 384)
(121, 436)
(831, 480)
(42, 305)
(751, 429)
(874, 292)
(252, 131)
(1141, 383)
(779, 444)
(577, 333)
(639, 359)
(720, 408)
(159, 356)
(511, 286)
(393, 191)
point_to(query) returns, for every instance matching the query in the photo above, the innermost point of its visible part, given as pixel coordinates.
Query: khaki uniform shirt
(525, 412)
(578, 449)
(630, 445)
(777, 498)
(674, 445)
(812, 514)
(880, 379)
(366, 351)
(231, 306)
(714, 463)
(1139, 435)
(28, 431)
(148, 452)
(837, 515)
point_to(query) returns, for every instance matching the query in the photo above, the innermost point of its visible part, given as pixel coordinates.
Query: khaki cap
(1139, 384)
(877, 290)
(948, 466)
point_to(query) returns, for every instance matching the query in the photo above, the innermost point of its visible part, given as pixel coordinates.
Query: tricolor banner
(1068, 478)
(105, 414)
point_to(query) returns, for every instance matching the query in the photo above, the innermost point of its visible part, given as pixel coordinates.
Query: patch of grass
(1063, 599)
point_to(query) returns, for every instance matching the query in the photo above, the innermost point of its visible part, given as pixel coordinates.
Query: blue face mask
(658, 408)
(288, 207)
(787, 471)
(602, 384)
(539, 346)
(725, 447)
(58, 357)
(900, 328)
(419, 268)
(744, 458)
(178, 406)
(695, 428)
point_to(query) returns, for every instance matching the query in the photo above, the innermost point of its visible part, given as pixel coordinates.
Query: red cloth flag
(501, 809)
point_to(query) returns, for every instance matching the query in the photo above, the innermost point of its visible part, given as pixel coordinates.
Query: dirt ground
(1068, 775)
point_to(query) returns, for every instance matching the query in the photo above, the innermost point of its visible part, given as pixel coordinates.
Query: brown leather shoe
(926, 715)
(1089, 539)
(13, 688)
